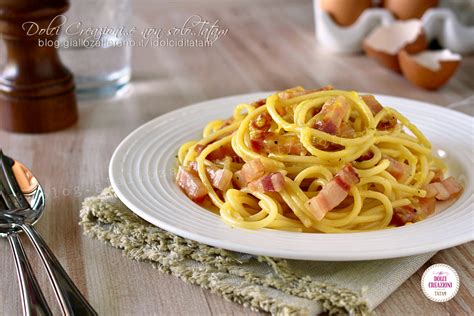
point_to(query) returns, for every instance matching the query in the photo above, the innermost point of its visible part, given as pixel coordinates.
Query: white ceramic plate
(141, 172)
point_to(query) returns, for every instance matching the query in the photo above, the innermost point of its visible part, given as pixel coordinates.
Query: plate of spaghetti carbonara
(321, 174)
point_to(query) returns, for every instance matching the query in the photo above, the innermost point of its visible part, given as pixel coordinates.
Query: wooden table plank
(270, 46)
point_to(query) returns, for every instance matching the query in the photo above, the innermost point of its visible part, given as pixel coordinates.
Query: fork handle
(70, 298)
(32, 299)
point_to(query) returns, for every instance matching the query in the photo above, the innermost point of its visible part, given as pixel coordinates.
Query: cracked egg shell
(429, 69)
(385, 42)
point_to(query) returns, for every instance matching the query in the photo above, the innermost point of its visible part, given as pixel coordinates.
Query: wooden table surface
(270, 46)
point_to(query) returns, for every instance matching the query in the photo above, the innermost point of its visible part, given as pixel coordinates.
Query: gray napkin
(278, 286)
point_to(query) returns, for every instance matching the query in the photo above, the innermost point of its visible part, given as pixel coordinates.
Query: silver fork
(32, 297)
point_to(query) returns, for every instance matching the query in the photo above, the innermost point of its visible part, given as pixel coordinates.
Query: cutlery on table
(32, 298)
(25, 205)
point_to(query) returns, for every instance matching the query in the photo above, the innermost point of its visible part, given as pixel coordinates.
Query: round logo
(440, 282)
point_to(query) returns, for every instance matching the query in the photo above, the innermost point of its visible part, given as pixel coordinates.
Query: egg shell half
(423, 76)
(391, 60)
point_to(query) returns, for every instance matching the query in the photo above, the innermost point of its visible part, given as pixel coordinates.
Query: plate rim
(255, 250)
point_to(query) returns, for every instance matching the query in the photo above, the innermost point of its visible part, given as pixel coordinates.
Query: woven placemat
(278, 286)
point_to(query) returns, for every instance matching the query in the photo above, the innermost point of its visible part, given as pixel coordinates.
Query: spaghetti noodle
(322, 160)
